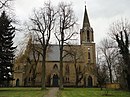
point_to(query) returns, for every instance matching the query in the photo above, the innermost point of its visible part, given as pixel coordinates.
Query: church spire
(86, 19)
(86, 33)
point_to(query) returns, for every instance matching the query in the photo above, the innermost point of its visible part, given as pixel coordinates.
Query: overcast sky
(101, 12)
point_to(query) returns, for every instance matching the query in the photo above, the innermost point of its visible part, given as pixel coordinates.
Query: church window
(29, 79)
(79, 68)
(88, 55)
(67, 79)
(30, 71)
(55, 66)
(67, 69)
(88, 36)
(18, 67)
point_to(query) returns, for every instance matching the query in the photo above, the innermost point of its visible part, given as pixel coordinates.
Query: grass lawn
(91, 92)
(21, 92)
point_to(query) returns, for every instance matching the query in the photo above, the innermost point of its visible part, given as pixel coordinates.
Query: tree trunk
(128, 81)
(110, 75)
(128, 76)
(76, 72)
(33, 82)
(33, 78)
(43, 71)
(76, 83)
(61, 69)
(110, 70)
(101, 87)
(127, 62)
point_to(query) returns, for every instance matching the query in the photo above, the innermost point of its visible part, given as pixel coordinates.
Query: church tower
(87, 42)
(86, 33)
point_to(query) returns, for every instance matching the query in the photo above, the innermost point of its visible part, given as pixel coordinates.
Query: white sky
(101, 12)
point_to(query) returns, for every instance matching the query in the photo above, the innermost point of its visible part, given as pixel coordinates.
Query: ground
(52, 92)
(67, 92)
(91, 92)
(21, 92)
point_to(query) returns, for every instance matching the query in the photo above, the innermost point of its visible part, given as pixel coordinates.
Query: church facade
(80, 69)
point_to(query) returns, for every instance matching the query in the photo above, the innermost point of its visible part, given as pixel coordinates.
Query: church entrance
(17, 82)
(55, 80)
(90, 81)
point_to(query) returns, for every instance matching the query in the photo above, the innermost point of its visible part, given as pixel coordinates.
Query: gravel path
(52, 92)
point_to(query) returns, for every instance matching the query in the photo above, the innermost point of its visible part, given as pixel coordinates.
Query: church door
(17, 82)
(90, 82)
(55, 80)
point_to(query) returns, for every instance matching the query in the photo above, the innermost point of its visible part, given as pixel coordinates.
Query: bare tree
(101, 70)
(76, 54)
(66, 21)
(4, 3)
(121, 31)
(124, 50)
(43, 23)
(117, 26)
(101, 74)
(32, 57)
(109, 53)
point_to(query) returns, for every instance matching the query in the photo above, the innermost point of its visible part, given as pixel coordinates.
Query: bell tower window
(88, 36)
(89, 55)
(92, 35)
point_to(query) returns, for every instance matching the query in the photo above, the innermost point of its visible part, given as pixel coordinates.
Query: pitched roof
(53, 53)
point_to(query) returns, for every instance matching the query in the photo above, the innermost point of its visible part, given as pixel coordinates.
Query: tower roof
(86, 19)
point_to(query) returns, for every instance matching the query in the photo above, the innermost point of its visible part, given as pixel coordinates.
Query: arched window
(88, 36)
(89, 56)
(67, 69)
(66, 79)
(29, 79)
(17, 82)
(55, 66)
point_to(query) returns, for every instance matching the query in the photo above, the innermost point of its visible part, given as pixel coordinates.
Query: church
(78, 71)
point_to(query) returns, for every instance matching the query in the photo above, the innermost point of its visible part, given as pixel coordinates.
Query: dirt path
(52, 92)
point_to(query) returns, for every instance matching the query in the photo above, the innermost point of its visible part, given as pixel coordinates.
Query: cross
(85, 3)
